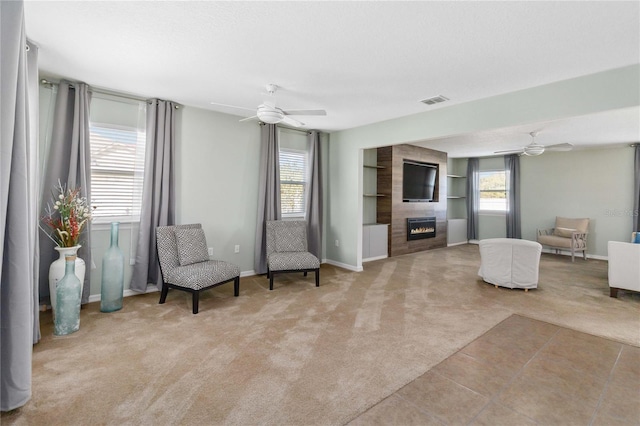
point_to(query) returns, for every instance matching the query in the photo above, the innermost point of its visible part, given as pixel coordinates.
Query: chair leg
(163, 294)
(305, 273)
(584, 254)
(271, 281)
(236, 286)
(196, 299)
(318, 277)
(613, 292)
(268, 273)
(573, 254)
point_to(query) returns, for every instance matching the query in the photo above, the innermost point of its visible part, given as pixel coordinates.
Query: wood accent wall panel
(383, 206)
(391, 209)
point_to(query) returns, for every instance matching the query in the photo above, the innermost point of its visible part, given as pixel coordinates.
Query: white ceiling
(362, 62)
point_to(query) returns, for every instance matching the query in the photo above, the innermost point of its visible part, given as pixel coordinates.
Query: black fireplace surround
(421, 227)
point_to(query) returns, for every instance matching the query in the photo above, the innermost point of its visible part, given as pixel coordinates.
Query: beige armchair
(568, 234)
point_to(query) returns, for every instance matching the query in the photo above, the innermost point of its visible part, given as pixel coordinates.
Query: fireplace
(421, 227)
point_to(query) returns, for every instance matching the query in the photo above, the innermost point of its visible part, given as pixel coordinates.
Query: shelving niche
(375, 241)
(456, 198)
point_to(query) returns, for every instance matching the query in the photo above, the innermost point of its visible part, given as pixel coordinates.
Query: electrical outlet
(210, 250)
(337, 243)
(236, 249)
(132, 261)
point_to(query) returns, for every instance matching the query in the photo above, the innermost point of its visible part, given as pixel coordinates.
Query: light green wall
(618, 88)
(593, 183)
(217, 181)
(217, 165)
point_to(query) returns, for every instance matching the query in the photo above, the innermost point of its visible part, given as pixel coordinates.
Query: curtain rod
(109, 92)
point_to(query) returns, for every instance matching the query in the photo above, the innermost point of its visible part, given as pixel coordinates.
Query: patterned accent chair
(185, 264)
(287, 250)
(568, 234)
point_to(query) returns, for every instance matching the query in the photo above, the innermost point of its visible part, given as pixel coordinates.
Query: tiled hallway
(521, 372)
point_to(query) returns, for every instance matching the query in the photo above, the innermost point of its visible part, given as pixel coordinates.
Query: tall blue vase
(112, 288)
(68, 294)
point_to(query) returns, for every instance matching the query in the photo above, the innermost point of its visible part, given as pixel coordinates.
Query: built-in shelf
(373, 195)
(373, 167)
(456, 197)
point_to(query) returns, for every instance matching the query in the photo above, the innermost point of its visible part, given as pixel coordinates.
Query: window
(117, 137)
(293, 182)
(493, 191)
(117, 167)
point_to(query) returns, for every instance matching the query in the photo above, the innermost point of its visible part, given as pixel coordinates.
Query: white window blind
(117, 170)
(293, 181)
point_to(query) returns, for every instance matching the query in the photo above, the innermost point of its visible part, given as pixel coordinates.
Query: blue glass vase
(68, 293)
(112, 288)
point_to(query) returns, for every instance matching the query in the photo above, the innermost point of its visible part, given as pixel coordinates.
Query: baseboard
(249, 273)
(344, 265)
(577, 255)
(128, 292)
(455, 244)
(371, 259)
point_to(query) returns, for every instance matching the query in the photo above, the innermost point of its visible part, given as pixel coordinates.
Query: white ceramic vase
(56, 271)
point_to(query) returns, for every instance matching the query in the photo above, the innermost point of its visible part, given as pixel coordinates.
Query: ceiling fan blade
(510, 151)
(232, 106)
(291, 122)
(559, 147)
(248, 118)
(305, 112)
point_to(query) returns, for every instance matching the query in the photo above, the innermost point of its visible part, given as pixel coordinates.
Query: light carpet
(298, 355)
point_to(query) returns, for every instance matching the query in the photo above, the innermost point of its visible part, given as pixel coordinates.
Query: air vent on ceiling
(434, 100)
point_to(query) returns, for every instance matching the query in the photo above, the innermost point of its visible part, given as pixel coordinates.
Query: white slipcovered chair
(509, 262)
(624, 267)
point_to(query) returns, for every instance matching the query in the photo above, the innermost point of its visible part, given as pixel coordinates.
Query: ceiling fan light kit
(269, 113)
(534, 149)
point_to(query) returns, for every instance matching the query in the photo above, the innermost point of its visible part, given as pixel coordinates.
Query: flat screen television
(418, 181)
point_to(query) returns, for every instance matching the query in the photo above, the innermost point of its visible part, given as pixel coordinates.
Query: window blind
(117, 170)
(293, 181)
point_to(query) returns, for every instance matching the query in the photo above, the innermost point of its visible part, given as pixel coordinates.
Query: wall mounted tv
(418, 181)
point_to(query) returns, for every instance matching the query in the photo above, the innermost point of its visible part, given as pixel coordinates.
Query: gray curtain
(69, 161)
(314, 199)
(636, 191)
(158, 193)
(268, 192)
(473, 197)
(512, 168)
(18, 207)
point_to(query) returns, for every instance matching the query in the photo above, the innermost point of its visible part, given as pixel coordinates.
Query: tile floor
(522, 372)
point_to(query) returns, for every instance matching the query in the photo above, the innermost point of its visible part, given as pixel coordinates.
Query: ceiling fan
(534, 148)
(269, 113)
